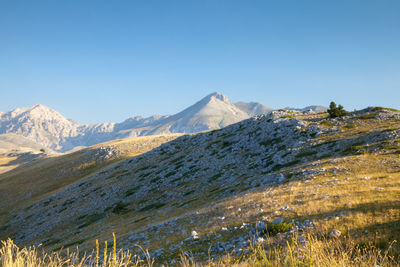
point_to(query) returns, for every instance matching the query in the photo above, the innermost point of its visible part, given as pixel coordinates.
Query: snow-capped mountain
(40, 124)
(50, 129)
(215, 111)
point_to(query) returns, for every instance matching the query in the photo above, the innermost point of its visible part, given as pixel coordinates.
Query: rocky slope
(219, 189)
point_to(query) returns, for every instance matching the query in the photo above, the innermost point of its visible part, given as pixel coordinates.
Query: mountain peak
(36, 106)
(40, 107)
(218, 96)
(214, 111)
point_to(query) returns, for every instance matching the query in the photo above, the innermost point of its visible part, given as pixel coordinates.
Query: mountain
(253, 108)
(50, 129)
(314, 108)
(299, 174)
(40, 124)
(215, 111)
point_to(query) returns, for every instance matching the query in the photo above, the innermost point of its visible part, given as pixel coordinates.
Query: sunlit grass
(308, 252)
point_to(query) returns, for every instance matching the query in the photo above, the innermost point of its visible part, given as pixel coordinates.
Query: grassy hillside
(45, 176)
(266, 179)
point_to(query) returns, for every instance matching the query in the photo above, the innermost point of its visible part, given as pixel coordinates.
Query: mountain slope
(316, 172)
(13, 141)
(253, 108)
(314, 108)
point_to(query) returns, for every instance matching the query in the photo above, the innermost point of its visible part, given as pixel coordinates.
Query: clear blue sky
(97, 61)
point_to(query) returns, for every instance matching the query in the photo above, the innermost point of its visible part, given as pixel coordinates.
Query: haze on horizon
(97, 61)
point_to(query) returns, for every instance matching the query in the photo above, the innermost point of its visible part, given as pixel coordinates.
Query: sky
(100, 60)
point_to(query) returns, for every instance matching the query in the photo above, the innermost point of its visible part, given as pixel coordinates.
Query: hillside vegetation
(257, 183)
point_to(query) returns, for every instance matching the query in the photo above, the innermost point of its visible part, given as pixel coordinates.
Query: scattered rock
(335, 233)
(195, 235)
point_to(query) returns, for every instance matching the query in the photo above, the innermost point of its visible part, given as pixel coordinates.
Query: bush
(273, 229)
(120, 207)
(336, 111)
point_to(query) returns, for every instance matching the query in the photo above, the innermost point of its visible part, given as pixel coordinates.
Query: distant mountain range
(253, 108)
(40, 126)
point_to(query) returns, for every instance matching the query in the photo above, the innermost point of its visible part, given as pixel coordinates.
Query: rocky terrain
(215, 192)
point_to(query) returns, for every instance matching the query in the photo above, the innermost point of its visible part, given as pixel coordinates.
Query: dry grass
(363, 198)
(12, 256)
(309, 252)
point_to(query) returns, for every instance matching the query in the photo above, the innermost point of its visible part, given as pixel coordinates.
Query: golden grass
(308, 252)
(6, 163)
(12, 256)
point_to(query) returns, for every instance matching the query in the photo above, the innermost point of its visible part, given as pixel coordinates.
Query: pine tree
(336, 111)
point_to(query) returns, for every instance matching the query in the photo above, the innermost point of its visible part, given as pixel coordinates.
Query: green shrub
(132, 190)
(273, 229)
(336, 111)
(170, 174)
(305, 154)
(382, 108)
(152, 206)
(120, 207)
(327, 123)
(350, 126)
(368, 116)
(92, 219)
(355, 149)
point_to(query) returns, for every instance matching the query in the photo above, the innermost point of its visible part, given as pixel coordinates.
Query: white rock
(335, 233)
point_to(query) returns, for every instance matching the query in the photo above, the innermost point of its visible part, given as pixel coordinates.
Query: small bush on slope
(336, 111)
(273, 229)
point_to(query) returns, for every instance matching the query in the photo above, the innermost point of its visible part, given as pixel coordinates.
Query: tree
(336, 111)
(42, 150)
